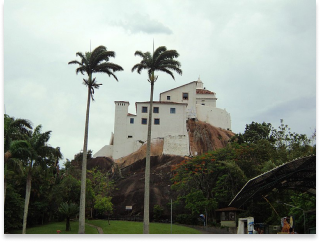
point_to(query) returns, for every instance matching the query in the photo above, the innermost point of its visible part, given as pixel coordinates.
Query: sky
(258, 56)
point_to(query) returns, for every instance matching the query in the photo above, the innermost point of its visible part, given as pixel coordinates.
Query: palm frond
(74, 62)
(91, 85)
(166, 71)
(139, 67)
(170, 62)
(171, 67)
(96, 61)
(81, 69)
(103, 56)
(97, 51)
(158, 51)
(17, 165)
(107, 65)
(82, 56)
(167, 55)
(139, 53)
(107, 71)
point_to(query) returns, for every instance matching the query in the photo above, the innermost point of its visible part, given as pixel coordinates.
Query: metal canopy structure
(299, 174)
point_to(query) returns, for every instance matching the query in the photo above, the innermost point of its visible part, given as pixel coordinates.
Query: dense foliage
(210, 181)
(202, 184)
(55, 191)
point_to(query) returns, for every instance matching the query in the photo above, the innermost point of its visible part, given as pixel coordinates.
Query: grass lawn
(115, 227)
(128, 227)
(53, 227)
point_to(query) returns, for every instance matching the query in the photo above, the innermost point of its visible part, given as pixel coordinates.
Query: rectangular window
(144, 109)
(185, 96)
(144, 121)
(172, 110)
(157, 121)
(168, 98)
(155, 109)
(129, 136)
(132, 120)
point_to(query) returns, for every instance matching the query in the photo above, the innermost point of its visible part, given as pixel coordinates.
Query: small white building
(168, 120)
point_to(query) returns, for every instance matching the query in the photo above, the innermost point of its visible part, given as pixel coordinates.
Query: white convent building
(176, 106)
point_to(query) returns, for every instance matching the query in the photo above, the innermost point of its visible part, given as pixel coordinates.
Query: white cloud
(142, 23)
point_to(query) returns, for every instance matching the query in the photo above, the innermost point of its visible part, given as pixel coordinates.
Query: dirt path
(100, 230)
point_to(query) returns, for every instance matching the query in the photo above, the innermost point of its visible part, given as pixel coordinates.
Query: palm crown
(161, 60)
(95, 62)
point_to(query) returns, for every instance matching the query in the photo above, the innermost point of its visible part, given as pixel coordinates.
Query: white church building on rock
(176, 106)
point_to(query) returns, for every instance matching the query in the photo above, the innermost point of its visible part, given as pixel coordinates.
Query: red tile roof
(204, 91)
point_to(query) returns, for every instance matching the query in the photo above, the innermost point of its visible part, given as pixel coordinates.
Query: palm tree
(161, 60)
(38, 154)
(68, 210)
(15, 131)
(92, 62)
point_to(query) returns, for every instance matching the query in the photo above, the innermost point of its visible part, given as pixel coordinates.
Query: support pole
(171, 216)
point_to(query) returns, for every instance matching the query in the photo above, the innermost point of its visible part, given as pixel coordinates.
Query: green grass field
(115, 227)
(127, 227)
(53, 227)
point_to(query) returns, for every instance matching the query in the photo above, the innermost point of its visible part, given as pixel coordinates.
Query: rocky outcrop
(131, 187)
(204, 137)
(130, 169)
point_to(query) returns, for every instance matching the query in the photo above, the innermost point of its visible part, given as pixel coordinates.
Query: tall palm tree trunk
(5, 190)
(26, 200)
(68, 226)
(5, 182)
(82, 212)
(147, 170)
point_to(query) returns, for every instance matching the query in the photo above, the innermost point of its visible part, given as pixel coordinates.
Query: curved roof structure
(299, 174)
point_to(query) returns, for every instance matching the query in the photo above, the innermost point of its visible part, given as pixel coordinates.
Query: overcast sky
(258, 56)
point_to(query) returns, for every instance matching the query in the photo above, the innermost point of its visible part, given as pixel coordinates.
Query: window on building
(132, 120)
(185, 96)
(155, 109)
(144, 121)
(129, 136)
(157, 121)
(203, 104)
(144, 109)
(172, 110)
(168, 98)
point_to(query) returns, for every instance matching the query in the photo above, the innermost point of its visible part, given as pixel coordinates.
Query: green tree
(13, 210)
(255, 132)
(96, 61)
(204, 183)
(99, 184)
(15, 131)
(157, 212)
(161, 60)
(103, 205)
(68, 210)
(36, 156)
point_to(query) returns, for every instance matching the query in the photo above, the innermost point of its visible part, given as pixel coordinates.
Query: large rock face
(203, 138)
(131, 186)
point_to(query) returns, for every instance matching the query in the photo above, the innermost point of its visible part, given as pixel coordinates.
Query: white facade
(168, 120)
(201, 104)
